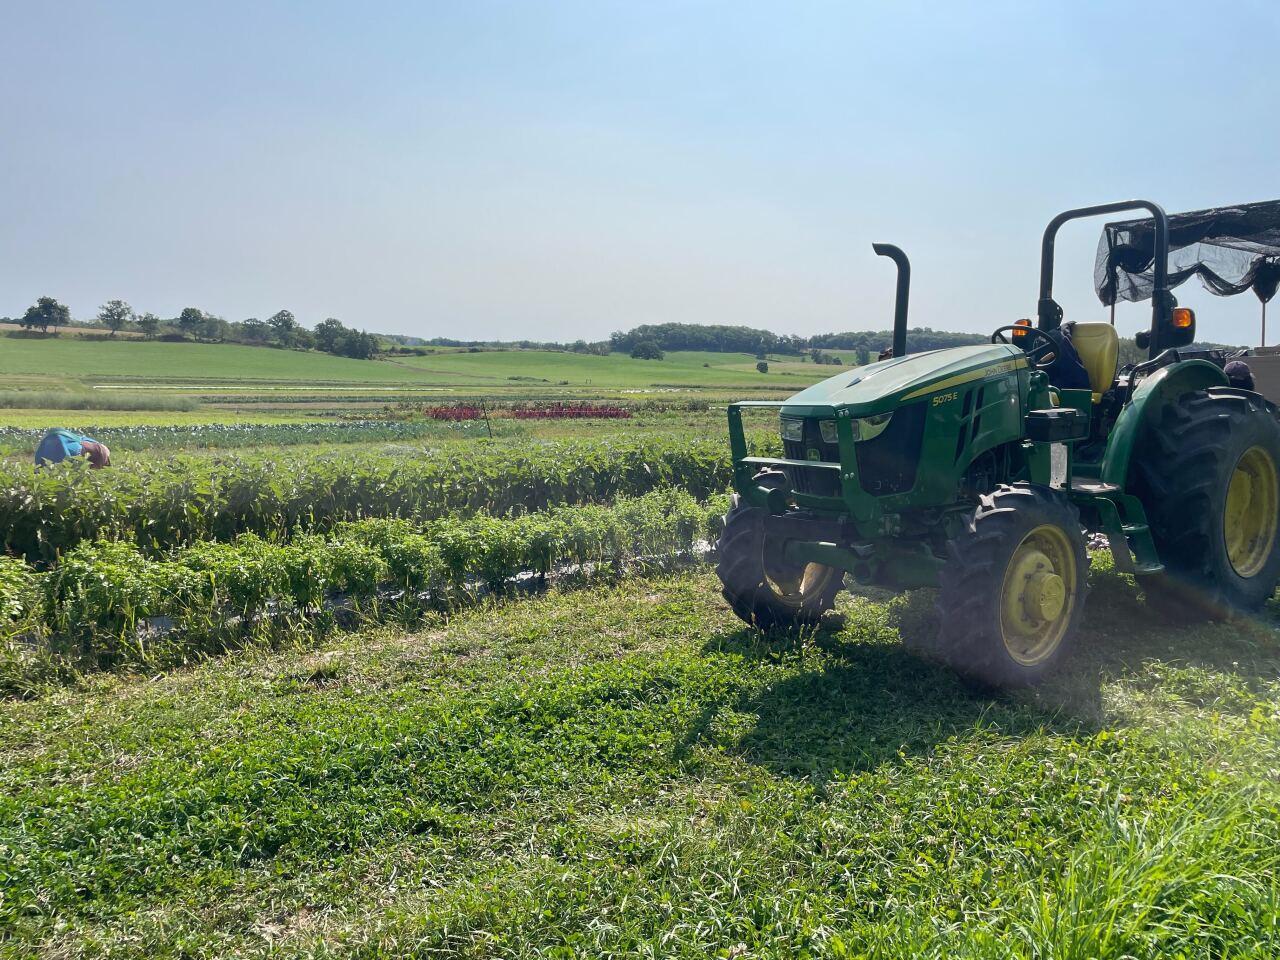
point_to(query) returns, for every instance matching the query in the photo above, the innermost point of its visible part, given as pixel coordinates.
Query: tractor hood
(879, 387)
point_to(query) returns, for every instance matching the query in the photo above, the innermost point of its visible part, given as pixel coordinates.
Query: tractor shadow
(1128, 638)
(852, 696)
(856, 693)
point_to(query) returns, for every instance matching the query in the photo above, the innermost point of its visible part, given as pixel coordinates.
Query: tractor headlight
(792, 429)
(866, 428)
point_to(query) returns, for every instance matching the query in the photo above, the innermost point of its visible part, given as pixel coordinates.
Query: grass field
(93, 361)
(613, 768)
(629, 772)
(261, 384)
(679, 368)
(90, 360)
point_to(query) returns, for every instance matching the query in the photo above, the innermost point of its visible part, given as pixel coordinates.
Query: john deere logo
(813, 454)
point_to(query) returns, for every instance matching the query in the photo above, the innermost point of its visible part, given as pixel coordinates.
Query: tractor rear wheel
(1012, 593)
(759, 584)
(1208, 474)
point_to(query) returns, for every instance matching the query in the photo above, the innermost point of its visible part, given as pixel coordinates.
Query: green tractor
(966, 469)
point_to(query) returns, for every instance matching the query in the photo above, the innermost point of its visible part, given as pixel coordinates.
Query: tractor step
(784, 462)
(1124, 523)
(1094, 488)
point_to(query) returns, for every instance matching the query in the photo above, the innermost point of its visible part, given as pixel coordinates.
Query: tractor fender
(1163, 387)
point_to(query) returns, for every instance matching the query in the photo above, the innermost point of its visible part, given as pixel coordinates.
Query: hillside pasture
(678, 368)
(107, 361)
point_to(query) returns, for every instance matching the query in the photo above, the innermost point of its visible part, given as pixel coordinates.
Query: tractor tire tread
(971, 581)
(1180, 470)
(741, 572)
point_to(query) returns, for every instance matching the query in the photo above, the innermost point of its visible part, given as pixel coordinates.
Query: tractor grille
(887, 464)
(823, 483)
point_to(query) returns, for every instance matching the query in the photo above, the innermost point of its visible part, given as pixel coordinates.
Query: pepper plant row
(161, 504)
(107, 603)
(241, 435)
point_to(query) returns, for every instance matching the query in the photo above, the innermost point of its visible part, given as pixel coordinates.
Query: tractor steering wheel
(1041, 345)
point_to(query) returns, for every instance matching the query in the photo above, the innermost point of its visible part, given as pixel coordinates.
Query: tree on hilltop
(358, 345)
(115, 315)
(149, 324)
(214, 328)
(647, 350)
(254, 330)
(45, 313)
(328, 334)
(191, 321)
(282, 324)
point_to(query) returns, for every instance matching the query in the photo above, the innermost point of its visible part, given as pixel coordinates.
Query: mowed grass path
(628, 772)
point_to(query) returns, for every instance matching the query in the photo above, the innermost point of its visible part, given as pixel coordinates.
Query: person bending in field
(1239, 375)
(58, 445)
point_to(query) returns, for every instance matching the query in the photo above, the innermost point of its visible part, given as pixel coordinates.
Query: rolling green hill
(81, 359)
(91, 361)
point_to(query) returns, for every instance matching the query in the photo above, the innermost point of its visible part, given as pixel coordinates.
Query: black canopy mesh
(1231, 250)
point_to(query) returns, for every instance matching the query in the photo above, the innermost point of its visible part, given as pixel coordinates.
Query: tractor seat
(1099, 350)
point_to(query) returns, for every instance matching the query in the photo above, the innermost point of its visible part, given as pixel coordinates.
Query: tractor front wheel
(759, 584)
(1012, 592)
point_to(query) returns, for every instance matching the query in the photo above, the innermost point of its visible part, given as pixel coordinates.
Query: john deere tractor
(969, 470)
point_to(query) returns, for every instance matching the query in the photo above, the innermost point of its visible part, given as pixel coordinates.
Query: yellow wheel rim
(1038, 596)
(794, 585)
(1249, 515)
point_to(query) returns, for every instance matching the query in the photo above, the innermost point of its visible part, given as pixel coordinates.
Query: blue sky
(562, 170)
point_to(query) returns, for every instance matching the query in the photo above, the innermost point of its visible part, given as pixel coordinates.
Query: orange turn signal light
(1184, 318)
(1021, 323)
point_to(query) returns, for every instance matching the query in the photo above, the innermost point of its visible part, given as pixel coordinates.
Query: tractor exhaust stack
(895, 254)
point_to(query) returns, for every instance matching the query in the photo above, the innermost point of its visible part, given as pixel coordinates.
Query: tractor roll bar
(895, 254)
(1049, 314)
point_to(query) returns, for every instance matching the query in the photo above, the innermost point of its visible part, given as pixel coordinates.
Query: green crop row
(202, 436)
(107, 603)
(18, 595)
(162, 504)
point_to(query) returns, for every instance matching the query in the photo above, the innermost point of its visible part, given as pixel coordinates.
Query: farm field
(15, 328)
(234, 383)
(105, 361)
(624, 770)
(679, 368)
(43, 418)
(308, 672)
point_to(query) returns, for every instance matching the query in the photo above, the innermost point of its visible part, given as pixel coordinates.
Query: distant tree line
(600, 349)
(716, 338)
(918, 340)
(733, 339)
(647, 342)
(281, 329)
